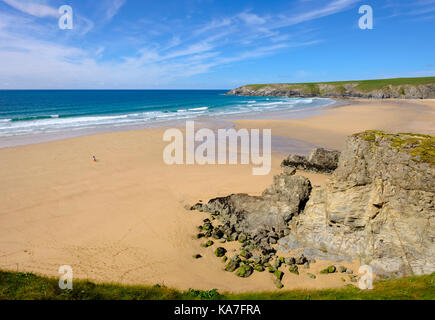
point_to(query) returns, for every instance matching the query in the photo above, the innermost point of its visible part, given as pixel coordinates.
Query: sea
(28, 113)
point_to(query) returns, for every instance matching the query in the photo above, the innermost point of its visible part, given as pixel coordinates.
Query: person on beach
(93, 158)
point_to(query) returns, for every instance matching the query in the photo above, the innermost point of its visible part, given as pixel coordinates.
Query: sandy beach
(331, 129)
(122, 219)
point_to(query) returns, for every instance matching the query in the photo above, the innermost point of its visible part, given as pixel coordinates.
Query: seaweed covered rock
(379, 205)
(330, 269)
(259, 268)
(220, 252)
(233, 264)
(245, 254)
(217, 233)
(278, 283)
(207, 244)
(294, 269)
(244, 271)
(278, 274)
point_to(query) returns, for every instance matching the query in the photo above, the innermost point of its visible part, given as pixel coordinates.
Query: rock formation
(377, 207)
(264, 218)
(320, 161)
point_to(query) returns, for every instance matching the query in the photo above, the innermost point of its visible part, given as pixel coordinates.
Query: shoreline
(330, 129)
(123, 220)
(222, 121)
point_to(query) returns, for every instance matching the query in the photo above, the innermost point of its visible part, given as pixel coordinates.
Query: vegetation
(419, 146)
(359, 85)
(26, 286)
(411, 288)
(369, 85)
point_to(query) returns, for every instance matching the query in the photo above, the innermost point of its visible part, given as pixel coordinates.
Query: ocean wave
(30, 118)
(198, 109)
(62, 122)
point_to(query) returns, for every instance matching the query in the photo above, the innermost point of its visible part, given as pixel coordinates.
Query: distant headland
(398, 88)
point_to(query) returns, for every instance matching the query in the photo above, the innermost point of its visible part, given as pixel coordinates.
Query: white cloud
(214, 24)
(33, 8)
(250, 18)
(113, 6)
(99, 51)
(27, 62)
(331, 8)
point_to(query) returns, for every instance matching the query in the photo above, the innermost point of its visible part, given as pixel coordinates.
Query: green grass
(411, 288)
(419, 146)
(26, 286)
(361, 85)
(369, 85)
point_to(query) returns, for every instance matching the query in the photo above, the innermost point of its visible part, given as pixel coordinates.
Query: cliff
(400, 88)
(378, 206)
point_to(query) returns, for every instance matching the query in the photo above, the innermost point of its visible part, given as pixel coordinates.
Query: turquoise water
(30, 112)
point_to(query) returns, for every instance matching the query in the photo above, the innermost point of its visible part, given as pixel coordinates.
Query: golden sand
(122, 219)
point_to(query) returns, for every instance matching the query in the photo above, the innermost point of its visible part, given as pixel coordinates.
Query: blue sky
(210, 44)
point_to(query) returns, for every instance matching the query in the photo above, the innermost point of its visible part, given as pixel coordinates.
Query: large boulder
(273, 210)
(379, 205)
(320, 161)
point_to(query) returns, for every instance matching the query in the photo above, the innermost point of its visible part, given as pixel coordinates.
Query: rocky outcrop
(378, 206)
(263, 218)
(375, 89)
(320, 161)
(274, 209)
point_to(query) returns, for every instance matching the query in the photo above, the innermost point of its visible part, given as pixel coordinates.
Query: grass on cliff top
(419, 146)
(26, 286)
(362, 85)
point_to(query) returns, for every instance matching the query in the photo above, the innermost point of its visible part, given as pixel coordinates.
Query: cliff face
(376, 89)
(378, 206)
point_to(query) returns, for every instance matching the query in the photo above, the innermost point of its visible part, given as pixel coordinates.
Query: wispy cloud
(251, 18)
(33, 8)
(172, 50)
(113, 7)
(418, 10)
(214, 24)
(330, 8)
